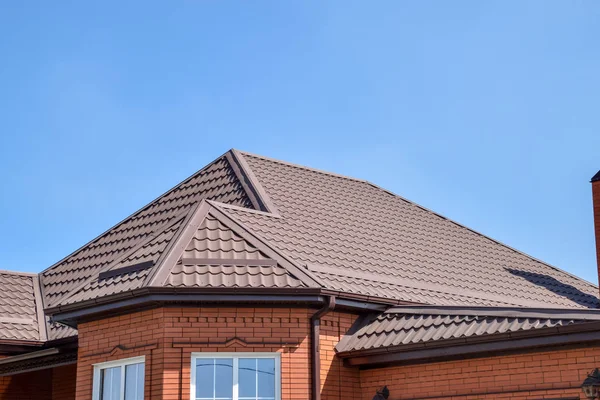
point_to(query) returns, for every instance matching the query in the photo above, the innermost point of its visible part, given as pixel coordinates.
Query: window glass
(111, 383)
(266, 378)
(224, 378)
(247, 378)
(255, 378)
(205, 378)
(134, 382)
(119, 380)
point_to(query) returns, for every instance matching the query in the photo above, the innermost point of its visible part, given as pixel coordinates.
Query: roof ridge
(250, 182)
(8, 272)
(131, 216)
(422, 208)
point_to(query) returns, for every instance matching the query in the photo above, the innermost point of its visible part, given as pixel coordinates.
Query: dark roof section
(21, 317)
(405, 326)
(596, 177)
(43, 359)
(362, 239)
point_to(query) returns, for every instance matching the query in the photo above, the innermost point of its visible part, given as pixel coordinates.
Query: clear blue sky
(486, 112)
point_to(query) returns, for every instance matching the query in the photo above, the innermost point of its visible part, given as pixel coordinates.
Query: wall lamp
(591, 385)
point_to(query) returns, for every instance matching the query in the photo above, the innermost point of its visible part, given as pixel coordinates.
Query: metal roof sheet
(18, 307)
(217, 181)
(393, 328)
(344, 224)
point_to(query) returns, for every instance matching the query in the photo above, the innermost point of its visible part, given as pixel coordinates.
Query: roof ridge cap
(20, 273)
(251, 184)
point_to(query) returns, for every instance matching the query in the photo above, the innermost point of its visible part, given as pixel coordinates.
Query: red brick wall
(63, 382)
(167, 336)
(337, 381)
(138, 334)
(544, 375)
(35, 385)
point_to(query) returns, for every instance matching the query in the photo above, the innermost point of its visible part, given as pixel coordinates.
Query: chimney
(596, 204)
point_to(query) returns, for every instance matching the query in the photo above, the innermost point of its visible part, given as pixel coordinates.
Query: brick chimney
(596, 203)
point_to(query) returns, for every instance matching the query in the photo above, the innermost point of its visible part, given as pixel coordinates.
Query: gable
(217, 257)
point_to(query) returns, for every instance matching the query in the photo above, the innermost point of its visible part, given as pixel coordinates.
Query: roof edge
(475, 345)
(508, 312)
(596, 177)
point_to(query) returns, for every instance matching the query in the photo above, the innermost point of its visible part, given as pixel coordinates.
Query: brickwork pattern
(544, 375)
(168, 336)
(338, 382)
(48, 384)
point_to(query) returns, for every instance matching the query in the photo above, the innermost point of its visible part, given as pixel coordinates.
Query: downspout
(315, 360)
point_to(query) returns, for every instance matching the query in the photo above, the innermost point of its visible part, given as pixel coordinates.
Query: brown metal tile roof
(19, 307)
(231, 276)
(398, 327)
(249, 221)
(218, 181)
(341, 224)
(218, 257)
(118, 283)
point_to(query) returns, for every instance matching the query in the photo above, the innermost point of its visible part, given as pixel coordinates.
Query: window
(119, 380)
(236, 376)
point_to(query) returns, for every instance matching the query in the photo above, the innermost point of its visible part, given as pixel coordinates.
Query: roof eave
(440, 350)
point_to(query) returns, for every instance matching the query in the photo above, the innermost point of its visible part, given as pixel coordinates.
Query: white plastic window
(119, 380)
(236, 376)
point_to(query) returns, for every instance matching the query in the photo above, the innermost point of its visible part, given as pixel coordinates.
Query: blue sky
(486, 112)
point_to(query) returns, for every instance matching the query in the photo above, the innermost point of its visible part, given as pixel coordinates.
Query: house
(256, 279)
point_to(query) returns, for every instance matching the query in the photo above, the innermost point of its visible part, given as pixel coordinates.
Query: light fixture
(591, 385)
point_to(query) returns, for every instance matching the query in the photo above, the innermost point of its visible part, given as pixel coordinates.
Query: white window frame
(236, 356)
(111, 364)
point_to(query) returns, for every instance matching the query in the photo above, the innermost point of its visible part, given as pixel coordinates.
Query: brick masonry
(49, 384)
(545, 375)
(168, 336)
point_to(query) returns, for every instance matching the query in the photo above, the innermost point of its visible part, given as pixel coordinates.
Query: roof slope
(218, 181)
(359, 238)
(399, 327)
(19, 306)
